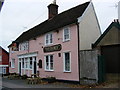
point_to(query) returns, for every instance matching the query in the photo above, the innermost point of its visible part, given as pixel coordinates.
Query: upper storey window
(23, 46)
(48, 39)
(66, 34)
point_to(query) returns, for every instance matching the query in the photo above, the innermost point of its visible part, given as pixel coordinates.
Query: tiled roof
(65, 18)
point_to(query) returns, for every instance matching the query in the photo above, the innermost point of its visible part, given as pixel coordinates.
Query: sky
(18, 16)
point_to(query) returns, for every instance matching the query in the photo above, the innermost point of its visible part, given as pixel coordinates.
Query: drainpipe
(77, 23)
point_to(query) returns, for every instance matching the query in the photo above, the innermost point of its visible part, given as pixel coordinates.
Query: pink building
(52, 47)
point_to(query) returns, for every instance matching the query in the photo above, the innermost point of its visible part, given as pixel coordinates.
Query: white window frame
(64, 61)
(64, 40)
(24, 46)
(26, 63)
(13, 63)
(49, 65)
(49, 39)
(4, 70)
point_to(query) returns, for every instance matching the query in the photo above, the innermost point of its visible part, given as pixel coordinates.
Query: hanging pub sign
(14, 46)
(57, 47)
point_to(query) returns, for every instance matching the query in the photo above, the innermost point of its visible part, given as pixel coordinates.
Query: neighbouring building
(1, 3)
(4, 61)
(109, 46)
(52, 48)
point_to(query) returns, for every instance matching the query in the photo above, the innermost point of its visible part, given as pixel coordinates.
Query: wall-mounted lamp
(59, 38)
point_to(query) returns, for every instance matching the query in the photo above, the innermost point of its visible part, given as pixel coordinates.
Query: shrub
(51, 79)
(24, 77)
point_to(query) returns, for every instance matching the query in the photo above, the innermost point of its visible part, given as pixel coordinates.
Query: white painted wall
(89, 29)
(119, 11)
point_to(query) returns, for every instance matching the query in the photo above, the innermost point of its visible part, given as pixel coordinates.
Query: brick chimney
(52, 10)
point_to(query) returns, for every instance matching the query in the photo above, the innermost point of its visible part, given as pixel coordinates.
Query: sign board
(57, 47)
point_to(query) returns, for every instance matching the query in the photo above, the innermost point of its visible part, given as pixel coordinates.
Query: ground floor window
(49, 62)
(66, 58)
(2, 70)
(27, 63)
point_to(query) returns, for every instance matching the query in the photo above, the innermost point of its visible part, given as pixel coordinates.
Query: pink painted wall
(72, 46)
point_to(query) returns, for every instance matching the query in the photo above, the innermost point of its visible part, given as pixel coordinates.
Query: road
(7, 83)
(112, 82)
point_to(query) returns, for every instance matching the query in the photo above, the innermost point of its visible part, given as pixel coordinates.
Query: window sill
(67, 71)
(26, 68)
(13, 67)
(49, 70)
(66, 40)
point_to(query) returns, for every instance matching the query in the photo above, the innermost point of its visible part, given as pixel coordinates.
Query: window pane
(47, 39)
(30, 62)
(13, 63)
(23, 63)
(50, 38)
(66, 34)
(26, 63)
(51, 58)
(51, 66)
(47, 66)
(49, 62)
(47, 59)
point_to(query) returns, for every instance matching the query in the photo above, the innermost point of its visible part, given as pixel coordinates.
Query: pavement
(19, 83)
(7, 84)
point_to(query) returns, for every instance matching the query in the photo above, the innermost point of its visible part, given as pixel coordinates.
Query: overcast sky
(18, 16)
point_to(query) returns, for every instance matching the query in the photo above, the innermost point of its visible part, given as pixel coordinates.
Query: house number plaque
(57, 47)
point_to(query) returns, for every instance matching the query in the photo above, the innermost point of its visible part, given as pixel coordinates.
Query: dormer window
(66, 34)
(23, 46)
(48, 39)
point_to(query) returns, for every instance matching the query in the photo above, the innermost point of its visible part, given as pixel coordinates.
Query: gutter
(77, 23)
